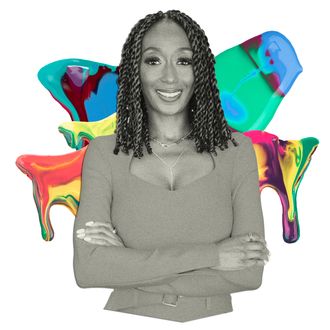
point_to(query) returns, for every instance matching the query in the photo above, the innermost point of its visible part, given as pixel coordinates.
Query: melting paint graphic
(252, 77)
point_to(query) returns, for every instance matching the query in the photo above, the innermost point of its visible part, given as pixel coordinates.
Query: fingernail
(90, 223)
(87, 239)
(81, 235)
(80, 231)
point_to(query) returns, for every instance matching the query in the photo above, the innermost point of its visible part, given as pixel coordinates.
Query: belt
(133, 297)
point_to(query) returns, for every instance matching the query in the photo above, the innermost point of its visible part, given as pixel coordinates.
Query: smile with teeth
(169, 94)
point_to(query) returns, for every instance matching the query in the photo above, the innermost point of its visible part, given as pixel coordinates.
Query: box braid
(210, 128)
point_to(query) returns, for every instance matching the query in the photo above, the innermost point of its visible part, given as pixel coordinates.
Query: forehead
(165, 35)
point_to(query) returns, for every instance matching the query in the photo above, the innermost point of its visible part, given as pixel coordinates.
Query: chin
(171, 110)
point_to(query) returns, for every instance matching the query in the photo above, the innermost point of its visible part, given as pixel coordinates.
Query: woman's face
(166, 70)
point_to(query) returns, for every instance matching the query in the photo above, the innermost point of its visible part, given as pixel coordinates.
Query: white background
(38, 289)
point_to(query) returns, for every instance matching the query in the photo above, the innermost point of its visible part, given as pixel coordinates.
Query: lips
(169, 94)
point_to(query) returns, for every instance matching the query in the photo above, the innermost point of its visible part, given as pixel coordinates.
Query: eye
(151, 60)
(185, 60)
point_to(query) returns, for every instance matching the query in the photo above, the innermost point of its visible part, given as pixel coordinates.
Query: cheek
(147, 77)
(187, 77)
(190, 81)
(147, 85)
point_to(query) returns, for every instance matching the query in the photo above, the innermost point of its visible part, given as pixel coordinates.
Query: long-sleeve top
(170, 236)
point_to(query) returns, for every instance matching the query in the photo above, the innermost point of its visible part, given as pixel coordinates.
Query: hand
(100, 233)
(241, 252)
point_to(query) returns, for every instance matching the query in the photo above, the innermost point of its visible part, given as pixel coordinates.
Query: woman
(173, 229)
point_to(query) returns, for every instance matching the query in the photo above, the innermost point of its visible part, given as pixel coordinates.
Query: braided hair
(209, 126)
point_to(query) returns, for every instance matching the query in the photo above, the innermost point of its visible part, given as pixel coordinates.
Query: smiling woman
(166, 72)
(175, 228)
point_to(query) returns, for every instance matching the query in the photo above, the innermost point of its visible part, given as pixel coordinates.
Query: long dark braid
(210, 128)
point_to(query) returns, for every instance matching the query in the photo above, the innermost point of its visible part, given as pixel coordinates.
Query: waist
(167, 306)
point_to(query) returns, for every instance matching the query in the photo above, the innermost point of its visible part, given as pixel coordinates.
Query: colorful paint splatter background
(37, 282)
(253, 79)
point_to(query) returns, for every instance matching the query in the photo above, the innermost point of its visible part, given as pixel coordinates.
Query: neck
(168, 128)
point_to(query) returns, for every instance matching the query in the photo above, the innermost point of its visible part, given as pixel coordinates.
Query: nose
(169, 74)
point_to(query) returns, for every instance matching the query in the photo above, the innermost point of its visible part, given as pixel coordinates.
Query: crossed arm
(183, 269)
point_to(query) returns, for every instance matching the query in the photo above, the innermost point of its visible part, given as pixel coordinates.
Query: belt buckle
(168, 303)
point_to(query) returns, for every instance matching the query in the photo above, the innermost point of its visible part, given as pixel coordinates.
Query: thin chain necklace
(170, 167)
(167, 145)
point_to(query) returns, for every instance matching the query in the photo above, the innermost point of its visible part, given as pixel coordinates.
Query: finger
(257, 238)
(97, 241)
(108, 234)
(103, 224)
(82, 233)
(256, 255)
(254, 262)
(101, 229)
(111, 236)
(251, 237)
(112, 240)
(97, 223)
(254, 245)
(101, 237)
(249, 262)
(267, 251)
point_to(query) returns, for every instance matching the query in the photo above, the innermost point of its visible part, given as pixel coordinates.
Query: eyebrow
(156, 48)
